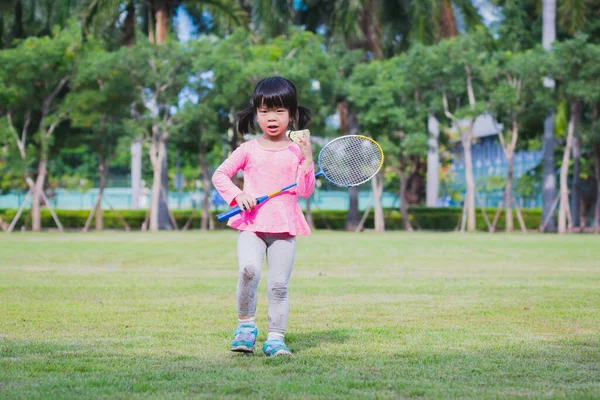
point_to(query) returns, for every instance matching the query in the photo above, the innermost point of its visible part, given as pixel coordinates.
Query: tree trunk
(596, 148)
(371, 29)
(564, 172)
(509, 152)
(469, 181)
(164, 221)
(549, 187)
(575, 185)
(207, 222)
(349, 126)
(447, 21)
(433, 162)
(18, 31)
(508, 195)
(161, 17)
(377, 185)
(162, 20)
(128, 33)
(36, 217)
(103, 170)
(157, 154)
(597, 174)
(404, 202)
(575, 181)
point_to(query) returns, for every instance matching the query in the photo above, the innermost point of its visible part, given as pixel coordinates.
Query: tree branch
(470, 91)
(446, 110)
(48, 100)
(518, 85)
(515, 133)
(13, 130)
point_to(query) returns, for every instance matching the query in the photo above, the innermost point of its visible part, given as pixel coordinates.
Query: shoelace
(246, 336)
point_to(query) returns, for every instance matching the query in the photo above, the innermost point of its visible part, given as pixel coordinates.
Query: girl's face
(273, 121)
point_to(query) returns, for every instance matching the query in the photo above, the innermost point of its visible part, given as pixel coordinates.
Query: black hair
(274, 92)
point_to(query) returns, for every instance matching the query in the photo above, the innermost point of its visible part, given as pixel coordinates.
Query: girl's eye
(281, 110)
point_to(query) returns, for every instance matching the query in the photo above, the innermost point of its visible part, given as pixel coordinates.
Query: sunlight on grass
(128, 315)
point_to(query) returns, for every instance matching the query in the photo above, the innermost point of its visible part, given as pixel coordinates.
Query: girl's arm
(305, 178)
(221, 179)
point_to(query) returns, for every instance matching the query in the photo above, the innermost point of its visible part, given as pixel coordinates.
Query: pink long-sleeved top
(266, 171)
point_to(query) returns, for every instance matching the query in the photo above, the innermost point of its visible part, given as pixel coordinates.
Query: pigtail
(245, 120)
(303, 117)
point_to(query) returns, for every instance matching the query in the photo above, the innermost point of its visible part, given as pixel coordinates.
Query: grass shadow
(306, 340)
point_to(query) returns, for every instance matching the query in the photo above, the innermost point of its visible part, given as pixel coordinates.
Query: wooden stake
(49, 206)
(485, 216)
(497, 216)
(361, 224)
(16, 218)
(189, 221)
(550, 213)
(88, 222)
(119, 216)
(519, 216)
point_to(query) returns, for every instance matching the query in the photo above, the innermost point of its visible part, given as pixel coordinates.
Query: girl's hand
(245, 201)
(306, 147)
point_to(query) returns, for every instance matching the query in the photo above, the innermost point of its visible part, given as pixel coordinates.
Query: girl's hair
(273, 92)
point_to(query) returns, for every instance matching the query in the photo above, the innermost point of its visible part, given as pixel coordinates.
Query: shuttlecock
(295, 135)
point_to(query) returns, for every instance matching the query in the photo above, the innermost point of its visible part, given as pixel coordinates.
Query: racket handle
(236, 210)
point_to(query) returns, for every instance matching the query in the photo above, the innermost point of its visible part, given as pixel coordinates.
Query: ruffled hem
(283, 217)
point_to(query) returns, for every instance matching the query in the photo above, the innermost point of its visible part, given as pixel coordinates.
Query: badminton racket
(346, 161)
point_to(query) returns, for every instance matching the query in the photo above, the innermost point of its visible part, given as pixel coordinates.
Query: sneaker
(273, 348)
(244, 339)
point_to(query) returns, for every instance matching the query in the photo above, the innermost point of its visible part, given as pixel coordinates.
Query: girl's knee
(249, 274)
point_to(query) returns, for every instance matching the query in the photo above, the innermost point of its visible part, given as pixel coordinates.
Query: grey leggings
(280, 249)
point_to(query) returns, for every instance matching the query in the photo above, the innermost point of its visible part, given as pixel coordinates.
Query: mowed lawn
(394, 315)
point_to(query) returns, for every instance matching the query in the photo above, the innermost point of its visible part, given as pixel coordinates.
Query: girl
(269, 162)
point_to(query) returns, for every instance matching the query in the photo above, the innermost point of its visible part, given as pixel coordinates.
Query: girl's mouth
(272, 128)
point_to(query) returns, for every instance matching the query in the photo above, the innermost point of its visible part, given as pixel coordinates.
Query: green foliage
(575, 65)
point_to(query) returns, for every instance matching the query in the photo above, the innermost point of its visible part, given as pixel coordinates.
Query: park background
(109, 106)
(114, 115)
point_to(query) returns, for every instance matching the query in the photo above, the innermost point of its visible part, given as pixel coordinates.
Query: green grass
(395, 315)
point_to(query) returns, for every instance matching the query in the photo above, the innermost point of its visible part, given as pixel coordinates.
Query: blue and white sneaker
(244, 339)
(274, 348)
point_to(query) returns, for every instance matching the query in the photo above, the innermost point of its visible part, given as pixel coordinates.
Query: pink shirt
(266, 171)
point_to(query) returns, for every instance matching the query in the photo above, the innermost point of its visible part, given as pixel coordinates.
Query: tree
(31, 99)
(575, 63)
(518, 90)
(459, 65)
(100, 101)
(27, 18)
(198, 130)
(159, 73)
(549, 191)
(388, 95)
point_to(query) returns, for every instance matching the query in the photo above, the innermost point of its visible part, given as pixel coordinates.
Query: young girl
(269, 162)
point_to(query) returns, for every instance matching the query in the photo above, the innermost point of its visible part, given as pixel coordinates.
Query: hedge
(424, 218)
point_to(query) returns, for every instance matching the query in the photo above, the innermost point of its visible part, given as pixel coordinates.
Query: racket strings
(350, 160)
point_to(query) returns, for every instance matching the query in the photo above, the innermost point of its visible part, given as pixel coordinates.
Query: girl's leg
(281, 250)
(251, 250)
